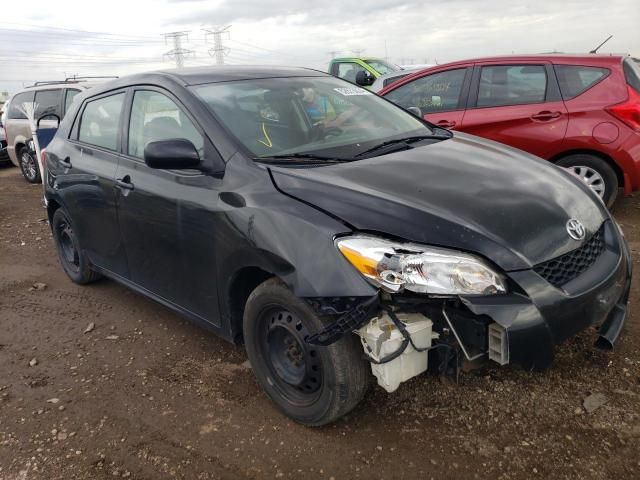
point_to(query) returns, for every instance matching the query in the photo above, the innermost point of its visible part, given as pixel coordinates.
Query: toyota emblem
(575, 229)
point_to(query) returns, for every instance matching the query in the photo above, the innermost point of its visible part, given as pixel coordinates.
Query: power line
(178, 53)
(82, 31)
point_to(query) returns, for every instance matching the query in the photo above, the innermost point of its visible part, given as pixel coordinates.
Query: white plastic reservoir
(382, 338)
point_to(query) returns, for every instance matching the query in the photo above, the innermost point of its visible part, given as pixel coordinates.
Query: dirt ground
(146, 395)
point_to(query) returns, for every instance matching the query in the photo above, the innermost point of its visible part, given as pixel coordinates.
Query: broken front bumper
(544, 316)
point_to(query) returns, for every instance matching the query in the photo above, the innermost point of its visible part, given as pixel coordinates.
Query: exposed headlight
(395, 266)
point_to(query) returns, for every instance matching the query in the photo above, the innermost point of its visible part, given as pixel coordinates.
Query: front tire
(73, 259)
(29, 166)
(596, 173)
(311, 385)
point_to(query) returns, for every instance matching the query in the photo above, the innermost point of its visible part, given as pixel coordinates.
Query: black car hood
(466, 193)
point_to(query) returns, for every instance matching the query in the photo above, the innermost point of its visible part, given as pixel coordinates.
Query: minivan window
(577, 79)
(154, 117)
(632, 73)
(15, 107)
(100, 122)
(438, 92)
(286, 116)
(48, 102)
(504, 85)
(69, 99)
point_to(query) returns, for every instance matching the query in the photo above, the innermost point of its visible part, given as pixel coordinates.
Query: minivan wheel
(29, 166)
(310, 384)
(596, 173)
(73, 259)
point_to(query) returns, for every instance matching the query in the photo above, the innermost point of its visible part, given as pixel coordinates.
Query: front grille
(565, 268)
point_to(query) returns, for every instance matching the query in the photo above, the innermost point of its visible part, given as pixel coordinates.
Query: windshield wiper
(401, 143)
(292, 157)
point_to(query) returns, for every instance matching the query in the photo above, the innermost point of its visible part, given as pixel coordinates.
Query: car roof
(351, 59)
(597, 58)
(202, 75)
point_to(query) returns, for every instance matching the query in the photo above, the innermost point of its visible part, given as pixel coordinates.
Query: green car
(362, 71)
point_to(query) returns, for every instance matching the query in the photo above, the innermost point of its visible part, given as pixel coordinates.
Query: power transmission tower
(177, 53)
(219, 51)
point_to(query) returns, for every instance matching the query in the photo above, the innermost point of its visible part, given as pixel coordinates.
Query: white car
(387, 79)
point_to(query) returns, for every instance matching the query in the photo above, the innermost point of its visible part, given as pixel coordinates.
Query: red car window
(438, 92)
(512, 85)
(577, 79)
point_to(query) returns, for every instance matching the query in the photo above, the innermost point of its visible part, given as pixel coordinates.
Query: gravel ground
(146, 395)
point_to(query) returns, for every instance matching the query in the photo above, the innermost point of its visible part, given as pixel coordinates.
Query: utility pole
(219, 51)
(177, 53)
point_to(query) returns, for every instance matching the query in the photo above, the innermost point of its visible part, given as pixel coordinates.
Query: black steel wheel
(74, 261)
(294, 365)
(312, 385)
(29, 166)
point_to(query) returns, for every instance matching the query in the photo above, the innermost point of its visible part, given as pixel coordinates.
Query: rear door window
(577, 79)
(503, 85)
(154, 117)
(100, 122)
(438, 92)
(632, 73)
(48, 103)
(15, 106)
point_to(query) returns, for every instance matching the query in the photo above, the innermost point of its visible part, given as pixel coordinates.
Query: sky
(51, 40)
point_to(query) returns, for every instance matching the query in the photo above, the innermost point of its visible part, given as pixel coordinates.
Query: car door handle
(66, 163)
(124, 183)
(446, 124)
(545, 115)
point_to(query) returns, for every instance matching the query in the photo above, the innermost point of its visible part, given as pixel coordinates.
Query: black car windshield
(322, 116)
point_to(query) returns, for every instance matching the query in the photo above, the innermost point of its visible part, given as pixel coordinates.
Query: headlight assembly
(395, 266)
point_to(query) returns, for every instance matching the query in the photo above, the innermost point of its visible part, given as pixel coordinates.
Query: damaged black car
(333, 233)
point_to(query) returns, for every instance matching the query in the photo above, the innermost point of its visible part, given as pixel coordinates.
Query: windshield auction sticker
(351, 91)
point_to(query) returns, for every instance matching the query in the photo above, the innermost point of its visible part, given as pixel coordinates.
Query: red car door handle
(545, 115)
(446, 124)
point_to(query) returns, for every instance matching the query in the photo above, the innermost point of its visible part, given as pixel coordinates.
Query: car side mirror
(174, 154)
(415, 111)
(364, 78)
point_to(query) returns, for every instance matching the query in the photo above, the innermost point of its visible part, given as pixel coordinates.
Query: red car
(580, 112)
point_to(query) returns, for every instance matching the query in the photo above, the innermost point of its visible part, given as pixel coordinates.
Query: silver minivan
(52, 100)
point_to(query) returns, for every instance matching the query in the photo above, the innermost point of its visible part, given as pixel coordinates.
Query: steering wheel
(319, 132)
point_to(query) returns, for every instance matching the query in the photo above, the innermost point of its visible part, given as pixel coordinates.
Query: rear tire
(596, 173)
(73, 259)
(311, 385)
(29, 166)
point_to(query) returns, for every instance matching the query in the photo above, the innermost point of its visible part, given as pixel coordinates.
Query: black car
(287, 209)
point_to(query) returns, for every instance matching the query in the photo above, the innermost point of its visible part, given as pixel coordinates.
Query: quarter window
(438, 92)
(512, 85)
(576, 79)
(155, 117)
(15, 106)
(349, 70)
(100, 122)
(69, 99)
(48, 102)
